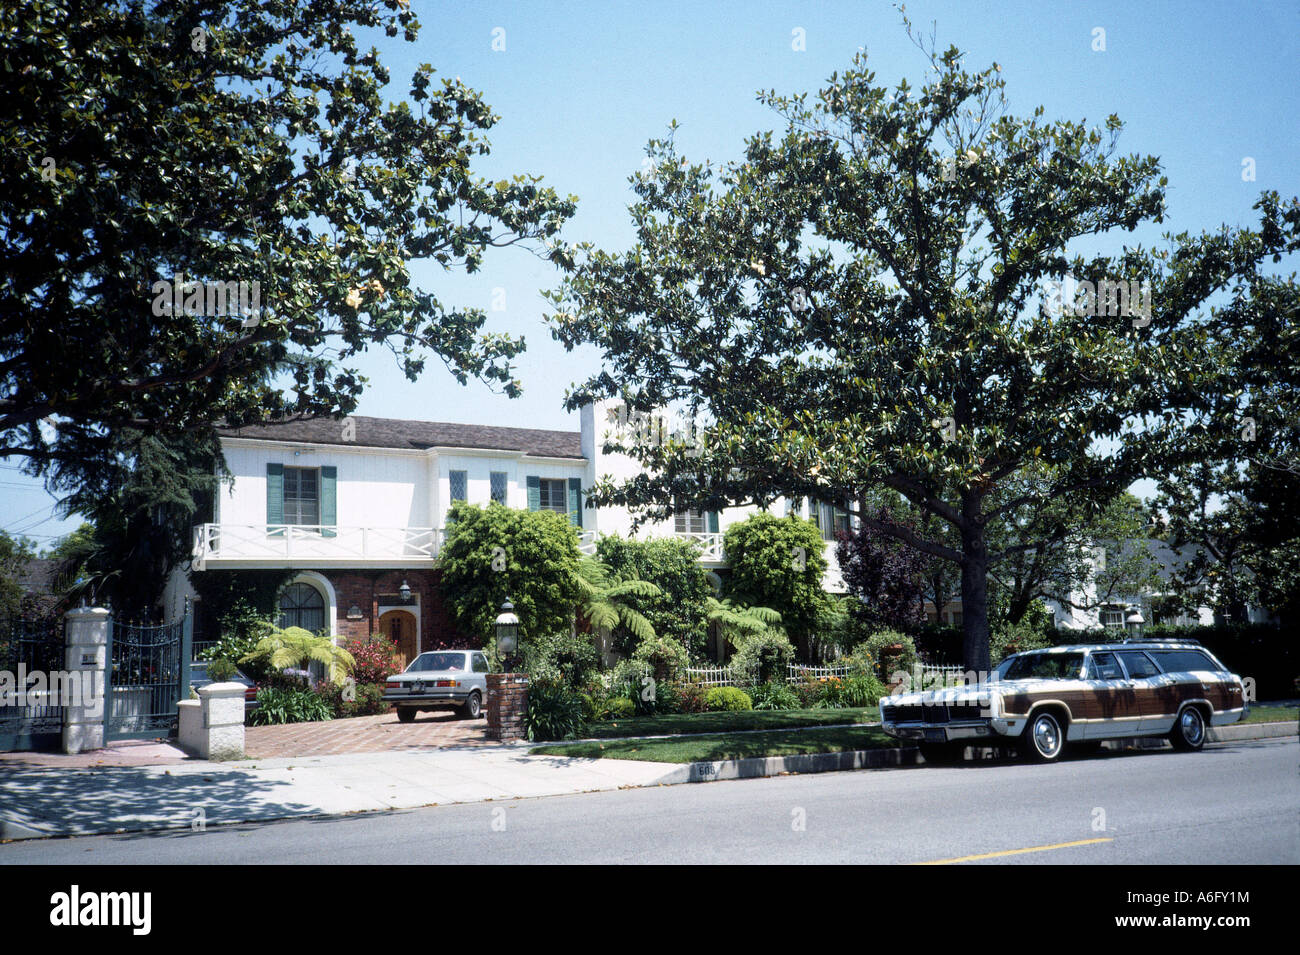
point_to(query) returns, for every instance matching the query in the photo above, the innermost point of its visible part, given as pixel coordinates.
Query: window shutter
(534, 492)
(575, 501)
(275, 498)
(713, 522)
(329, 514)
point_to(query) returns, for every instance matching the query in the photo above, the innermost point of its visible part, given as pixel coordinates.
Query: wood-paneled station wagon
(1078, 694)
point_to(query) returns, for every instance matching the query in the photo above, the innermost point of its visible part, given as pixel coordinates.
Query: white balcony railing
(230, 544)
(305, 542)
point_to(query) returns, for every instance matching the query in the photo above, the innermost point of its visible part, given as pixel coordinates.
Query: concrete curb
(757, 767)
(1238, 731)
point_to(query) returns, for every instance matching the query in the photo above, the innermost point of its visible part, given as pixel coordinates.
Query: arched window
(301, 605)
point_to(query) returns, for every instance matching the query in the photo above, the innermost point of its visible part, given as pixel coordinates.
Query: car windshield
(1045, 666)
(437, 661)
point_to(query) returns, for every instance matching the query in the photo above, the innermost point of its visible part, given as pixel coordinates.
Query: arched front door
(399, 627)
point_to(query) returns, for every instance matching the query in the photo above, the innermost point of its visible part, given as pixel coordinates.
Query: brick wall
(362, 588)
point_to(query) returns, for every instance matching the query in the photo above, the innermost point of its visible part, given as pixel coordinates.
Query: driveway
(366, 734)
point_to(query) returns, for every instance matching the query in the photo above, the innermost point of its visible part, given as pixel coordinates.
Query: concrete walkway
(39, 801)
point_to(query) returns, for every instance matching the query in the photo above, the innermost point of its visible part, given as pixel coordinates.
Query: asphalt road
(1230, 803)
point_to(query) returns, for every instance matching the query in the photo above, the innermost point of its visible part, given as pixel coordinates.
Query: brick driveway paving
(366, 734)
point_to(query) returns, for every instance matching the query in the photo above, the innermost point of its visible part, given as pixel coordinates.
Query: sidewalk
(38, 801)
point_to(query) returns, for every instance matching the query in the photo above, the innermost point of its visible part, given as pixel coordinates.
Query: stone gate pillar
(85, 643)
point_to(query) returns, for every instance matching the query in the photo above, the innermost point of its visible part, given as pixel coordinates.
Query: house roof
(398, 433)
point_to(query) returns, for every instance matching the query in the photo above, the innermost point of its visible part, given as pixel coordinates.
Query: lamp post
(507, 628)
(1134, 621)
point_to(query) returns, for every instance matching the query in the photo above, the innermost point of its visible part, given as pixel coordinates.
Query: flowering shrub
(375, 659)
(367, 699)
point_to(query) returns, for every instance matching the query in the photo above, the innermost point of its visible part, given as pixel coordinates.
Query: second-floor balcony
(306, 546)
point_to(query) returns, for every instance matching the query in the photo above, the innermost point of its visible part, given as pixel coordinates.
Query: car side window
(480, 663)
(1138, 664)
(1102, 666)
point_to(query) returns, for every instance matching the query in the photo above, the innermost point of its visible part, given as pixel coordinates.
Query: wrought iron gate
(148, 673)
(27, 648)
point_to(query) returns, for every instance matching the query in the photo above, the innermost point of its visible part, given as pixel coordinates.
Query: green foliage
(672, 564)
(276, 705)
(879, 647)
(737, 622)
(604, 599)
(272, 152)
(142, 492)
(568, 658)
(619, 708)
(15, 553)
(860, 302)
(367, 699)
(221, 669)
(235, 607)
(778, 563)
(763, 656)
(664, 656)
(691, 698)
(727, 698)
(537, 553)
(554, 711)
(296, 647)
(774, 695)
(853, 691)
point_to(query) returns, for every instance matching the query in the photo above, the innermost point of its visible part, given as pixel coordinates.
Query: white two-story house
(356, 510)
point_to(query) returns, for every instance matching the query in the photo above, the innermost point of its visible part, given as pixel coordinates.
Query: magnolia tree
(890, 293)
(210, 210)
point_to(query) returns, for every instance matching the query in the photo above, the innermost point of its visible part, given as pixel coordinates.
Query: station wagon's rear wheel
(1188, 733)
(406, 714)
(1044, 739)
(473, 706)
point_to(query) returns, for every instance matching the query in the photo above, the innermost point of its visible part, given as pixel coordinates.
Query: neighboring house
(1118, 610)
(357, 508)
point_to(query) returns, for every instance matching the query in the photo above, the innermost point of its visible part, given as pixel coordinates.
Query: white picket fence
(795, 674)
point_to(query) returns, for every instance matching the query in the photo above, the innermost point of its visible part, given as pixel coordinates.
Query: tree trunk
(974, 591)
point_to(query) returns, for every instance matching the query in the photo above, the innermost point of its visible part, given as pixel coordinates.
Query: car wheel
(941, 754)
(405, 714)
(473, 706)
(1188, 733)
(1044, 739)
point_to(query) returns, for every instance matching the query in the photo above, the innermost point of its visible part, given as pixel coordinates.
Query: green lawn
(677, 723)
(693, 749)
(1268, 713)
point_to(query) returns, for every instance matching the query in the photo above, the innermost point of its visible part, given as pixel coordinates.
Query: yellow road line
(1014, 852)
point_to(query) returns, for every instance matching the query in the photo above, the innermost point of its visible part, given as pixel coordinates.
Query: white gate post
(85, 643)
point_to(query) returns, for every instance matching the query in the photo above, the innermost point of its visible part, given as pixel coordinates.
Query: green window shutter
(275, 497)
(575, 501)
(713, 522)
(329, 510)
(534, 492)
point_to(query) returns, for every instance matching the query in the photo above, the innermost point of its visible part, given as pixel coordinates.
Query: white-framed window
(553, 495)
(302, 496)
(1112, 617)
(691, 522)
(301, 605)
(497, 479)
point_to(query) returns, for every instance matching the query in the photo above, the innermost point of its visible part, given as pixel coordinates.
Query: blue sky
(581, 86)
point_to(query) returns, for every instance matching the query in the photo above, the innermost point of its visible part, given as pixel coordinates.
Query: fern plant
(295, 646)
(601, 602)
